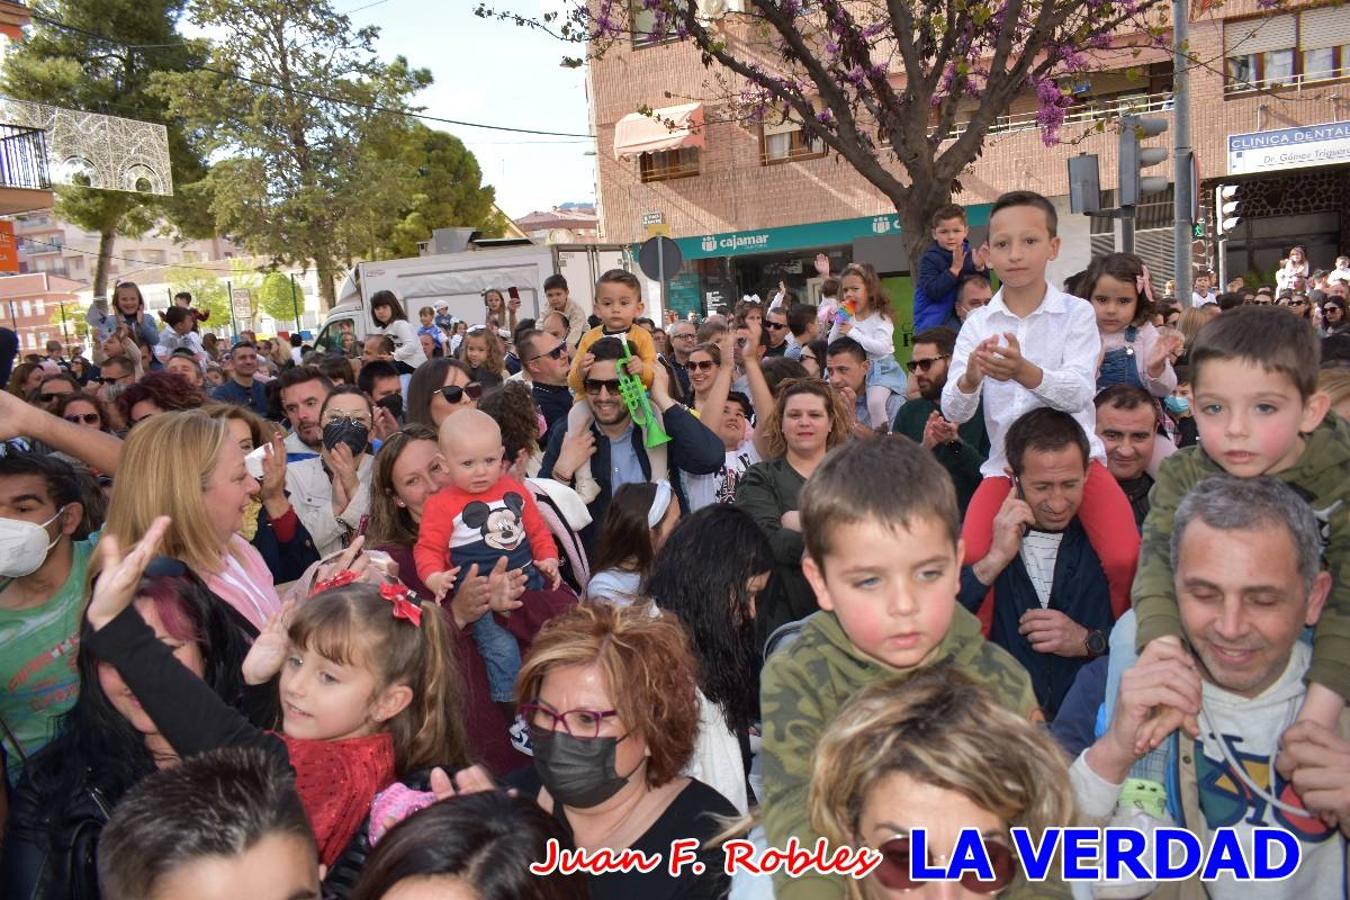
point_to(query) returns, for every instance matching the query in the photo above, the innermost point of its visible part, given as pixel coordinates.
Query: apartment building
(751, 205)
(47, 244)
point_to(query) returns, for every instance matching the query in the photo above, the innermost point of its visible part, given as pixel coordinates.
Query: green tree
(207, 290)
(106, 66)
(288, 99)
(275, 298)
(69, 321)
(442, 186)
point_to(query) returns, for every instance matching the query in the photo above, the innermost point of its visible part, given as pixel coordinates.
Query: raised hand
(958, 259)
(269, 650)
(121, 572)
(976, 371)
(273, 483)
(1003, 363)
(822, 263)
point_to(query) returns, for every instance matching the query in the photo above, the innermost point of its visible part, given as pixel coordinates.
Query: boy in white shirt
(1034, 345)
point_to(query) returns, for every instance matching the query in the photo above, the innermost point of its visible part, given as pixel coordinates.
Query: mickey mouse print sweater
(461, 529)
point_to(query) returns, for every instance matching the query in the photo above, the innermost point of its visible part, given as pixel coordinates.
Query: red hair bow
(404, 601)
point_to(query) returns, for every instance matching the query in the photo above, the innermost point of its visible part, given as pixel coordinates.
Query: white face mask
(24, 546)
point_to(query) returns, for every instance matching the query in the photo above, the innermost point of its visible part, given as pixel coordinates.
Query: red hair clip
(341, 579)
(404, 601)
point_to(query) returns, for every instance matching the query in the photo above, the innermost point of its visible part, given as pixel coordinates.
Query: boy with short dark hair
(947, 260)
(802, 322)
(880, 525)
(1033, 345)
(222, 824)
(1254, 383)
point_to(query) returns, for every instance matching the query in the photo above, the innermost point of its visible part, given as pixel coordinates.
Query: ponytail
(431, 732)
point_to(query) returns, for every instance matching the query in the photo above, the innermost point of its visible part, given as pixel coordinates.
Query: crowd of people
(403, 618)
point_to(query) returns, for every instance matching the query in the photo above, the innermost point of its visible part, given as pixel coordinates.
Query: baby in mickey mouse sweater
(482, 515)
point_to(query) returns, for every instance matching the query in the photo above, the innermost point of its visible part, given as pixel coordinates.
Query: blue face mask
(1177, 406)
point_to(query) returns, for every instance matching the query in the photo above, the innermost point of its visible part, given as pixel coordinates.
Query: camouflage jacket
(1322, 477)
(806, 683)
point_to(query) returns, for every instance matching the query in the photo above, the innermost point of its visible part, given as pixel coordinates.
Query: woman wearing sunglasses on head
(935, 752)
(438, 388)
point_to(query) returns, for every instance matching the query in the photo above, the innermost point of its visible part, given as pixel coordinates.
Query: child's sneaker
(584, 483)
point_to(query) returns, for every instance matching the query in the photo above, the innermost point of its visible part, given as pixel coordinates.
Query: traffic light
(1230, 208)
(1133, 158)
(1085, 189)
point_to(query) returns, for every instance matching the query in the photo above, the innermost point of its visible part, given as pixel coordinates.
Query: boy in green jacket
(1254, 384)
(883, 553)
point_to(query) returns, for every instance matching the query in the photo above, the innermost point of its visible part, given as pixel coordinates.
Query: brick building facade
(750, 209)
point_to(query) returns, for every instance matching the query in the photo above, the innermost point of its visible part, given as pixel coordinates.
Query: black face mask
(578, 773)
(344, 431)
(393, 403)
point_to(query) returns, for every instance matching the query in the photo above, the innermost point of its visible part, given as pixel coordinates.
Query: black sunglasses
(48, 398)
(594, 385)
(166, 567)
(701, 365)
(556, 353)
(922, 365)
(85, 418)
(775, 326)
(894, 871)
(453, 393)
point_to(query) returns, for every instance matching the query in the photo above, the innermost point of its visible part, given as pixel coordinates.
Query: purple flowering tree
(904, 90)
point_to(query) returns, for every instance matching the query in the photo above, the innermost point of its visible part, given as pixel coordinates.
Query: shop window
(665, 165)
(779, 146)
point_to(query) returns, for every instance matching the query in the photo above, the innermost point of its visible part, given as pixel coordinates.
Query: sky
(500, 74)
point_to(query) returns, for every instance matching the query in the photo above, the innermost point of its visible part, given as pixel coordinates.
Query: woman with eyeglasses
(1333, 317)
(813, 358)
(1299, 305)
(83, 410)
(439, 388)
(107, 743)
(609, 697)
(935, 752)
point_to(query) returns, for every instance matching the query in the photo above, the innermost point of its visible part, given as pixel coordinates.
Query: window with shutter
(1325, 28)
(1260, 35)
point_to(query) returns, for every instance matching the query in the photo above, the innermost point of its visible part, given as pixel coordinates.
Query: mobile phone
(1017, 485)
(513, 292)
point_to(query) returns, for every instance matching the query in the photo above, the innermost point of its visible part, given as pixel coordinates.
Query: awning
(637, 133)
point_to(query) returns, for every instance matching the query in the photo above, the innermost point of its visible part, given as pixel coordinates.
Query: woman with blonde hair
(935, 751)
(186, 465)
(271, 523)
(807, 421)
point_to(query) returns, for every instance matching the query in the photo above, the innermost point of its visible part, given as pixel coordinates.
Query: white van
(461, 278)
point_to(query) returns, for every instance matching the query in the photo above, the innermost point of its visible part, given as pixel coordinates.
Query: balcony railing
(1233, 87)
(1081, 113)
(23, 158)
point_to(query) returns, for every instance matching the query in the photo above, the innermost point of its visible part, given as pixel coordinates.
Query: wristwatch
(1096, 643)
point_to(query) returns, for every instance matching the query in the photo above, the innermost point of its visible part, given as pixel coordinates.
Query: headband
(660, 503)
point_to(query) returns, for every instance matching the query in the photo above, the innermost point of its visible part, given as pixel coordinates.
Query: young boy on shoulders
(1034, 345)
(1258, 411)
(884, 558)
(945, 263)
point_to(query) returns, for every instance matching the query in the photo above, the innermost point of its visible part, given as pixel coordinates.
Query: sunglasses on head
(702, 365)
(894, 871)
(82, 418)
(594, 385)
(922, 365)
(454, 393)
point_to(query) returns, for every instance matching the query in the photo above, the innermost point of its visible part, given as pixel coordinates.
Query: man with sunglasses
(961, 449)
(43, 557)
(614, 445)
(546, 362)
(776, 329)
(682, 336)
